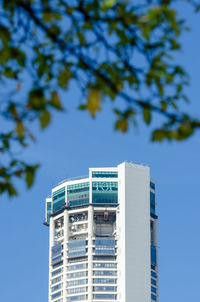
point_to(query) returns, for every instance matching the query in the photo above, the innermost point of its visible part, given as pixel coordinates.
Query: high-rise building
(103, 237)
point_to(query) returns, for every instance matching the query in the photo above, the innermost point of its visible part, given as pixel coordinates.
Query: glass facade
(104, 288)
(104, 281)
(104, 192)
(77, 267)
(56, 272)
(77, 282)
(77, 290)
(153, 297)
(48, 211)
(78, 194)
(104, 273)
(152, 203)
(77, 275)
(104, 174)
(58, 199)
(105, 265)
(56, 253)
(153, 255)
(77, 298)
(152, 185)
(105, 296)
(77, 248)
(104, 246)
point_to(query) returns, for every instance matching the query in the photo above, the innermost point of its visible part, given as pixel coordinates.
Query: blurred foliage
(118, 50)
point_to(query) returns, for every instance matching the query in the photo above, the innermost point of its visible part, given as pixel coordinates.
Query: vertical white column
(51, 244)
(65, 259)
(90, 237)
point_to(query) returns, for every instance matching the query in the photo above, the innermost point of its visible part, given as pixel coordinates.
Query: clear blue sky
(71, 145)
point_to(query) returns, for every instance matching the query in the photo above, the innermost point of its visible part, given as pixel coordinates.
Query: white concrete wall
(134, 233)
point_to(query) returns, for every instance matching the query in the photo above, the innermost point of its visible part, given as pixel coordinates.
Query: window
(77, 267)
(153, 255)
(104, 192)
(56, 295)
(55, 280)
(58, 199)
(56, 272)
(153, 282)
(77, 290)
(56, 287)
(153, 297)
(78, 194)
(77, 275)
(58, 264)
(104, 273)
(77, 282)
(104, 174)
(105, 296)
(152, 185)
(77, 298)
(104, 288)
(153, 274)
(76, 248)
(105, 265)
(153, 289)
(104, 281)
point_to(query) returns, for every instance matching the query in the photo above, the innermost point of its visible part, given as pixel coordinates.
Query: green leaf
(55, 100)
(30, 174)
(147, 115)
(11, 190)
(158, 135)
(45, 118)
(64, 76)
(93, 104)
(122, 125)
(20, 128)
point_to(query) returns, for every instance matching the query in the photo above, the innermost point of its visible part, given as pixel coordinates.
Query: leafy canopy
(113, 50)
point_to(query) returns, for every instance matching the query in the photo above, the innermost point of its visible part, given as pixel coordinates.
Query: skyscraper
(103, 237)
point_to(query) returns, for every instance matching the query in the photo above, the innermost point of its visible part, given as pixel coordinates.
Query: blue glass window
(78, 194)
(105, 296)
(104, 174)
(56, 272)
(77, 267)
(152, 185)
(153, 255)
(57, 264)
(104, 288)
(77, 290)
(153, 274)
(56, 252)
(48, 210)
(77, 282)
(153, 281)
(77, 298)
(152, 203)
(58, 199)
(77, 275)
(153, 297)
(105, 265)
(55, 280)
(56, 287)
(104, 192)
(104, 273)
(56, 295)
(76, 248)
(104, 281)
(104, 246)
(153, 289)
